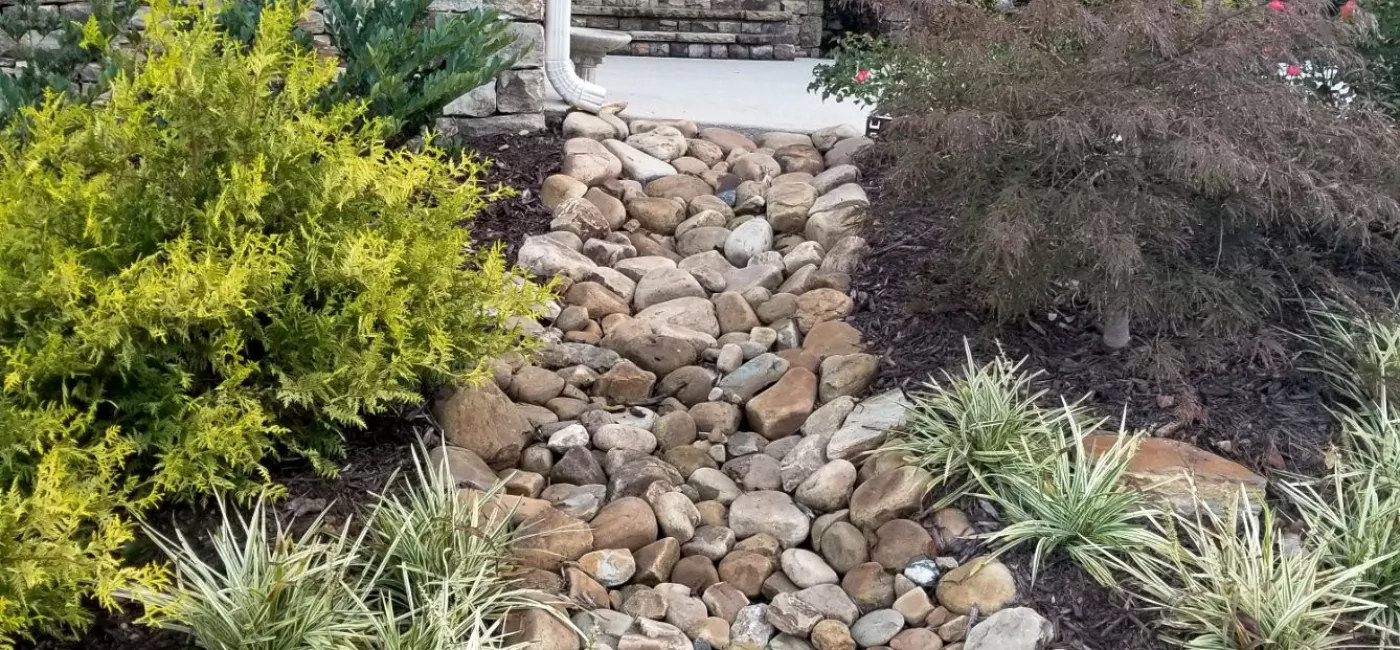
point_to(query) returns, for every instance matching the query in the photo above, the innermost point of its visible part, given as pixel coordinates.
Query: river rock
(664, 143)
(482, 420)
(769, 512)
(829, 488)
(837, 214)
(755, 375)
(792, 615)
(682, 187)
(589, 161)
(781, 409)
(984, 583)
(1018, 628)
(546, 257)
(692, 313)
(610, 567)
(807, 569)
(749, 239)
(638, 165)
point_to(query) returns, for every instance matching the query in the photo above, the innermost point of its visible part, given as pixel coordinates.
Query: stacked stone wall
(512, 103)
(711, 29)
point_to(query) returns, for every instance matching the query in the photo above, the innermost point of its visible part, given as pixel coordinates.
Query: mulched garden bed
(1245, 400)
(522, 163)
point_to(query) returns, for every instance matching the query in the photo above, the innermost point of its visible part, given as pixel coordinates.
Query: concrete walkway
(748, 95)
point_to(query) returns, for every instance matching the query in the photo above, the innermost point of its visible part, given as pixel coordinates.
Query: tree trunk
(1115, 329)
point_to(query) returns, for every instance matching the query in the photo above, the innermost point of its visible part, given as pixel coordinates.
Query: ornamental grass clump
(1148, 160)
(429, 570)
(1076, 504)
(1355, 511)
(208, 269)
(977, 424)
(1232, 582)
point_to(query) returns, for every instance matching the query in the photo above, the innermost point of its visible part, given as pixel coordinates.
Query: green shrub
(401, 60)
(207, 269)
(429, 571)
(864, 68)
(1151, 161)
(408, 66)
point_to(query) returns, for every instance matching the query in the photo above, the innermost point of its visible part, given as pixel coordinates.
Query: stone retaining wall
(710, 29)
(512, 103)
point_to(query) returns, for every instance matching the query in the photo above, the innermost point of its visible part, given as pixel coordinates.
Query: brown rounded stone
(713, 513)
(821, 305)
(625, 523)
(695, 571)
(843, 547)
(657, 215)
(781, 409)
(831, 338)
(951, 529)
(901, 541)
(656, 560)
(658, 353)
(724, 601)
(734, 313)
(762, 544)
(539, 629)
(687, 459)
(481, 419)
(624, 383)
(584, 590)
(597, 299)
(916, 639)
(548, 538)
(683, 187)
(799, 358)
(832, 635)
(889, 495)
(720, 418)
(746, 572)
(983, 582)
(690, 385)
(869, 586)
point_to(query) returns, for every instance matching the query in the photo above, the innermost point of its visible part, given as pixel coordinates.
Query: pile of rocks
(688, 453)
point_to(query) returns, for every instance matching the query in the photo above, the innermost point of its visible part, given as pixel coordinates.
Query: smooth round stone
(877, 628)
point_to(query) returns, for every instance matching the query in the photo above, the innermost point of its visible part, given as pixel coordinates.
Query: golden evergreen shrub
(207, 269)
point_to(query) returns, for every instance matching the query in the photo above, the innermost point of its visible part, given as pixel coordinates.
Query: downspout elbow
(559, 68)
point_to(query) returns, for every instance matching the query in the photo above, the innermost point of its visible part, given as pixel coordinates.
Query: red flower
(1294, 70)
(1277, 6)
(1349, 10)
(862, 76)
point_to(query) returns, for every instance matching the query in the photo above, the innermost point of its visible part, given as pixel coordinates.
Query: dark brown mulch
(522, 163)
(1245, 400)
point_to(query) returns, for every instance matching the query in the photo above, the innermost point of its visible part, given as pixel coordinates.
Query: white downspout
(559, 68)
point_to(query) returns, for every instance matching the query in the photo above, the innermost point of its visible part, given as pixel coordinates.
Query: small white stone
(573, 435)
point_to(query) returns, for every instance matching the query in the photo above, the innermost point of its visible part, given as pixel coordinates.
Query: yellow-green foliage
(202, 271)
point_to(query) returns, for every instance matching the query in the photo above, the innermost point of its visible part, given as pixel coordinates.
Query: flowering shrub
(866, 69)
(1321, 82)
